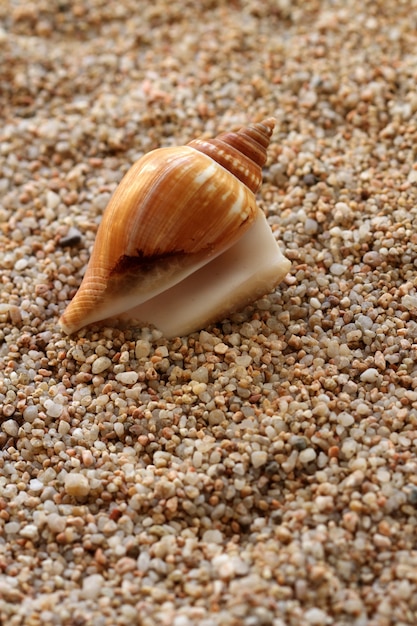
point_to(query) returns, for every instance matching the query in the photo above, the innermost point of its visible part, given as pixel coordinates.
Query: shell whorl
(243, 153)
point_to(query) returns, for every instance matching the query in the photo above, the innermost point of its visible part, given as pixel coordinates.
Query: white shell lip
(249, 269)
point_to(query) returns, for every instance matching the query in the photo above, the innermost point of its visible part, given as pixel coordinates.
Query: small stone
(11, 528)
(316, 617)
(92, 586)
(52, 408)
(20, 265)
(30, 413)
(8, 410)
(337, 269)
(101, 364)
(216, 416)
(259, 458)
(36, 485)
(127, 378)
(307, 456)
(309, 179)
(56, 523)
(77, 485)
(200, 375)
(30, 531)
(142, 349)
(221, 348)
(345, 419)
(10, 427)
(52, 199)
(370, 375)
(213, 536)
(223, 565)
(410, 302)
(15, 315)
(372, 258)
(310, 226)
(72, 238)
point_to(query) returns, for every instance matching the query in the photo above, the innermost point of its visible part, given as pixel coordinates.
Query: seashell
(182, 242)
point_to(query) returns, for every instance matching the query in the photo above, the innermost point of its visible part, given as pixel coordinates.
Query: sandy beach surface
(261, 471)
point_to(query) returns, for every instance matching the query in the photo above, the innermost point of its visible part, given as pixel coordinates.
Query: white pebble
(10, 427)
(119, 429)
(56, 523)
(310, 226)
(410, 302)
(349, 448)
(127, 378)
(345, 419)
(316, 617)
(30, 531)
(259, 458)
(223, 565)
(370, 375)
(307, 455)
(197, 459)
(77, 485)
(100, 364)
(52, 199)
(92, 586)
(30, 413)
(20, 265)
(337, 269)
(11, 528)
(52, 408)
(35, 485)
(213, 536)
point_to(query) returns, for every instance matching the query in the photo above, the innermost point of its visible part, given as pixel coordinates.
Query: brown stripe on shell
(243, 153)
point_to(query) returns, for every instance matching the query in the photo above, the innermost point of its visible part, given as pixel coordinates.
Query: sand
(261, 471)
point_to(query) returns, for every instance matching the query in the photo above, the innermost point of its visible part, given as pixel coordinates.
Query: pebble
(338, 269)
(72, 238)
(370, 375)
(127, 378)
(316, 617)
(30, 413)
(258, 459)
(307, 456)
(56, 523)
(77, 485)
(101, 364)
(92, 586)
(142, 349)
(52, 408)
(30, 531)
(213, 536)
(21, 265)
(10, 427)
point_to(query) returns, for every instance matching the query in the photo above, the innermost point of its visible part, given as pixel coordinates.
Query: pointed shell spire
(243, 153)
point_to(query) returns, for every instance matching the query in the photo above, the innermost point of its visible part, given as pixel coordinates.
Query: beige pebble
(259, 458)
(77, 485)
(127, 378)
(101, 364)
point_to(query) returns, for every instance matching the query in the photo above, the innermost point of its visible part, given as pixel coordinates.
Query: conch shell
(182, 242)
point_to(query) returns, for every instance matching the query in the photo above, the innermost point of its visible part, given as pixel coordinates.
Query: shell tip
(269, 123)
